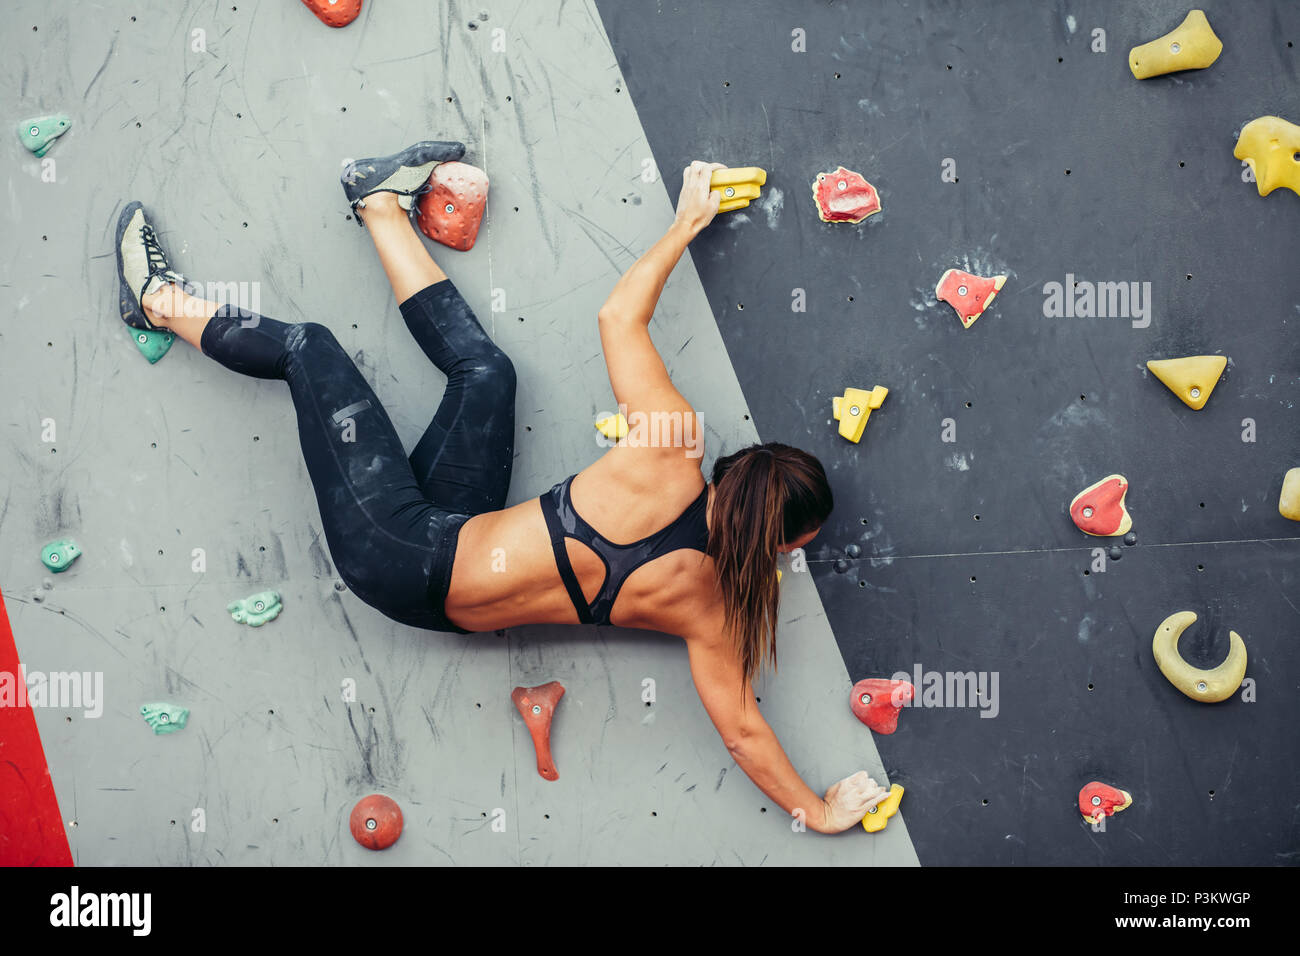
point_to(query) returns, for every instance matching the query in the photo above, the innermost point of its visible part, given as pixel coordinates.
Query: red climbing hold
(876, 702)
(969, 294)
(1099, 508)
(844, 196)
(376, 822)
(1097, 800)
(450, 213)
(537, 707)
(335, 13)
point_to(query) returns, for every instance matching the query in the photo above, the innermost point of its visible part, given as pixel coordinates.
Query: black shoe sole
(428, 151)
(128, 305)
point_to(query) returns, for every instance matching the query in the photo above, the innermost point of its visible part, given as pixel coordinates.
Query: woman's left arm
(635, 295)
(637, 373)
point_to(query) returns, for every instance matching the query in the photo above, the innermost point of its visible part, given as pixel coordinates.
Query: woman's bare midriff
(504, 572)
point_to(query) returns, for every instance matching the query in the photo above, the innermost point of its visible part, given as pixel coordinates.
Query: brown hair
(764, 496)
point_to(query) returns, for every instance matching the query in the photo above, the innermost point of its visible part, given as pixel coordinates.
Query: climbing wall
(1012, 138)
(183, 484)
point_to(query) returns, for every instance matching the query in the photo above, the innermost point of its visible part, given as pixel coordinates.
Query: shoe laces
(157, 260)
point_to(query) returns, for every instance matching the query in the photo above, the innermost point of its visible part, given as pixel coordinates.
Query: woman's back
(506, 572)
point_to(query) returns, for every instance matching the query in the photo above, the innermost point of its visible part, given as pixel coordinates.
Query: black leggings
(391, 521)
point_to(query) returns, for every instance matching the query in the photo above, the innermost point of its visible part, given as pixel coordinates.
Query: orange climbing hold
(969, 294)
(1097, 800)
(537, 707)
(376, 822)
(876, 702)
(450, 213)
(335, 13)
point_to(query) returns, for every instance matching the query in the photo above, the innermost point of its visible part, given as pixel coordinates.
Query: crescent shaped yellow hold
(1207, 686)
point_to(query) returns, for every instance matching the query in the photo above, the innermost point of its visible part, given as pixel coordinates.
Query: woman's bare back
(505, 573)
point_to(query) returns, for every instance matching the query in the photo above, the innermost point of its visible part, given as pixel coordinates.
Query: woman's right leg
(464, 459)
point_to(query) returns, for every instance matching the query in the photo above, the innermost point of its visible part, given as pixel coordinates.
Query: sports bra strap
(565, 566)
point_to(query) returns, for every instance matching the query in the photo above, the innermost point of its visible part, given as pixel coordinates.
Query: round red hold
(376, 822)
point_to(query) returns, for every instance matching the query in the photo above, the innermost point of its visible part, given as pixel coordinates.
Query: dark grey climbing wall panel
(1065, 166)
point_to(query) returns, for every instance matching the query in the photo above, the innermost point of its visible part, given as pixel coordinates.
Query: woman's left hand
(697, 204)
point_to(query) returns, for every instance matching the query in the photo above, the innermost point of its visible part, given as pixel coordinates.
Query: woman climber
(636, 539)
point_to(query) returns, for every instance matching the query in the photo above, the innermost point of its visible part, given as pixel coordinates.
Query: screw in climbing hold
(851, 199)
(376, 822)
(58, 555)
(1208, 686)
(536, 705)
(165, 718)
(256, 609)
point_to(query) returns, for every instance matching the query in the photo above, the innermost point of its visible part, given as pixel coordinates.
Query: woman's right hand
(848, 801)
(697, 204)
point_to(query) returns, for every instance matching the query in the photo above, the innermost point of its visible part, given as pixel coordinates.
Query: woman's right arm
(753, 745)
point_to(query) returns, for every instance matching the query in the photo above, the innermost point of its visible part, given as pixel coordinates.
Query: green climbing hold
(256, 609)
(39, 132)
(57, 555)
(153, 345)
(165, 718)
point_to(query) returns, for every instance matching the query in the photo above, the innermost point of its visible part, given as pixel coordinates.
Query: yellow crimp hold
(1208, 686)
(879, 815)
(1192, 379)
(1288, 506)
(1193, 46)
(613, 426)
(1269, 145)
(778, 575)
(737, 186)
(854, 407)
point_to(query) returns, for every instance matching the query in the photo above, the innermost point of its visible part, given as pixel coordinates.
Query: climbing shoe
(142, 266)
(406, 173)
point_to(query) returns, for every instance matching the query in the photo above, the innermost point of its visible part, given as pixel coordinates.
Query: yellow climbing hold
(613, 426)
(1193, 46)
(1270, 146)
(737, 186)
(854, 407)
(1192, 379)
(1288, 506)
(879, 815)
(1208, 686)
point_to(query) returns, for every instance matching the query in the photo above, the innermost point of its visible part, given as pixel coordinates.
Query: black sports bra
(690, 531)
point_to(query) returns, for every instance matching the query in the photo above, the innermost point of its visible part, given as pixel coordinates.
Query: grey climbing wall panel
(231, 123)
(1065, 165)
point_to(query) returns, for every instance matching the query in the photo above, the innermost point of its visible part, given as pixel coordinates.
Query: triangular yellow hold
(1192, 379)
(613, 426)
